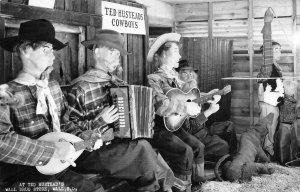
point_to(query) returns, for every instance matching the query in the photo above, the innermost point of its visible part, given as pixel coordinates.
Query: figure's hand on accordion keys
(109, 114)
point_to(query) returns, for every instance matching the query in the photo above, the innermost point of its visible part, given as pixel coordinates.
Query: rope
(280, 25)
(248, 77)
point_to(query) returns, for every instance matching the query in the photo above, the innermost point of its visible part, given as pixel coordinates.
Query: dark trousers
(12, 175)
(179, 148)
(219, 139)
(132, 160)
(135, 161)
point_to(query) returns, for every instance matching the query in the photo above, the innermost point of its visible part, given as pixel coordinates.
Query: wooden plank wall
(230, 21)
(85, 14)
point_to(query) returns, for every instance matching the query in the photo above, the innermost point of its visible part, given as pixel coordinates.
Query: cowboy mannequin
(264, 107)
(220, 138)
(184, 151)
(39, 113)
(89, 108)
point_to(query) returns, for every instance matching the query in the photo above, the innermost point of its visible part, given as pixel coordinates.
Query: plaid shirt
(86, 101)
(20, 127)
(161, 84)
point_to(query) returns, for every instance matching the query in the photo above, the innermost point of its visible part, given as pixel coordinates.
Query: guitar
(56, 165)
(269, 96)
(173, 122)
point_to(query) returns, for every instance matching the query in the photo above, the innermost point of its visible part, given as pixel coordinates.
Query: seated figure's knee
(188, 156)
(144, 144)
(226, 147)
(223, 148)
(201, 147)
(230, 126)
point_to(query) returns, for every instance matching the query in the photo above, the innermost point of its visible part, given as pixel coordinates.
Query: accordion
(136, 111)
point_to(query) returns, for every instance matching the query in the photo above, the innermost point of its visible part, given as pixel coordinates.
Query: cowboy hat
(34, 31)
(184, 65)
(160, 40)
(109, 38)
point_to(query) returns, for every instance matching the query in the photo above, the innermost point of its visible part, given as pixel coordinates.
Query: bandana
(170, 74)
(43, 95)
(98, 76)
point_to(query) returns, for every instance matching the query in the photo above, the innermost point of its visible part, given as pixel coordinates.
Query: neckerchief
(170, 74)
(42, 93)
(98, 76)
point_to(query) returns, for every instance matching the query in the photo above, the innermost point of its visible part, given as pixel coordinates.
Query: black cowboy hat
(34, 31)
(109, 38)
(184, 65)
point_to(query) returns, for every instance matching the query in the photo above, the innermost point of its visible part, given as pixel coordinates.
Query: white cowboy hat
(160, 40)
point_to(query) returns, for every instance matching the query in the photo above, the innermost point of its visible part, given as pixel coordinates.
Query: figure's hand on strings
(216, 99)
(192, 108)
(109, 114)
(64, 151)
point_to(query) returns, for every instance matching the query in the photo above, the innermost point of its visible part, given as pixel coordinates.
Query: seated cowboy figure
(90, 109)
(220, 138)
(39, 110)
(183, 151)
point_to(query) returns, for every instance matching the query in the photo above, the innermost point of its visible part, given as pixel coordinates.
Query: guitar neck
(90, 142)
(81, 145)
(267, 48)
(205, 98)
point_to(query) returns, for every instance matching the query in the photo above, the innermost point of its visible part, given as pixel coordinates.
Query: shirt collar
(25, 78)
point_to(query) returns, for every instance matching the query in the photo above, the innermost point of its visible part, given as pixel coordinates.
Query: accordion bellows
(136, 111)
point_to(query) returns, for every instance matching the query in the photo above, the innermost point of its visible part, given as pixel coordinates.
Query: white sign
(42, 3)
(122, 18)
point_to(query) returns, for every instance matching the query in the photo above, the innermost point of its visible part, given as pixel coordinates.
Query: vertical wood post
(2, 63)
(82, 65)
(294, 17)
(210, 20)
(296, 68)
(250, 52)
(147, 70)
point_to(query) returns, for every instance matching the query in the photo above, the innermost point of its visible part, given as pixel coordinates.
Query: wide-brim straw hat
(160, 40)
(34, 31)
(109, 38)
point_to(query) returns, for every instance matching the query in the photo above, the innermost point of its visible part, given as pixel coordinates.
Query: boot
(183, 183)
(198, 174)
